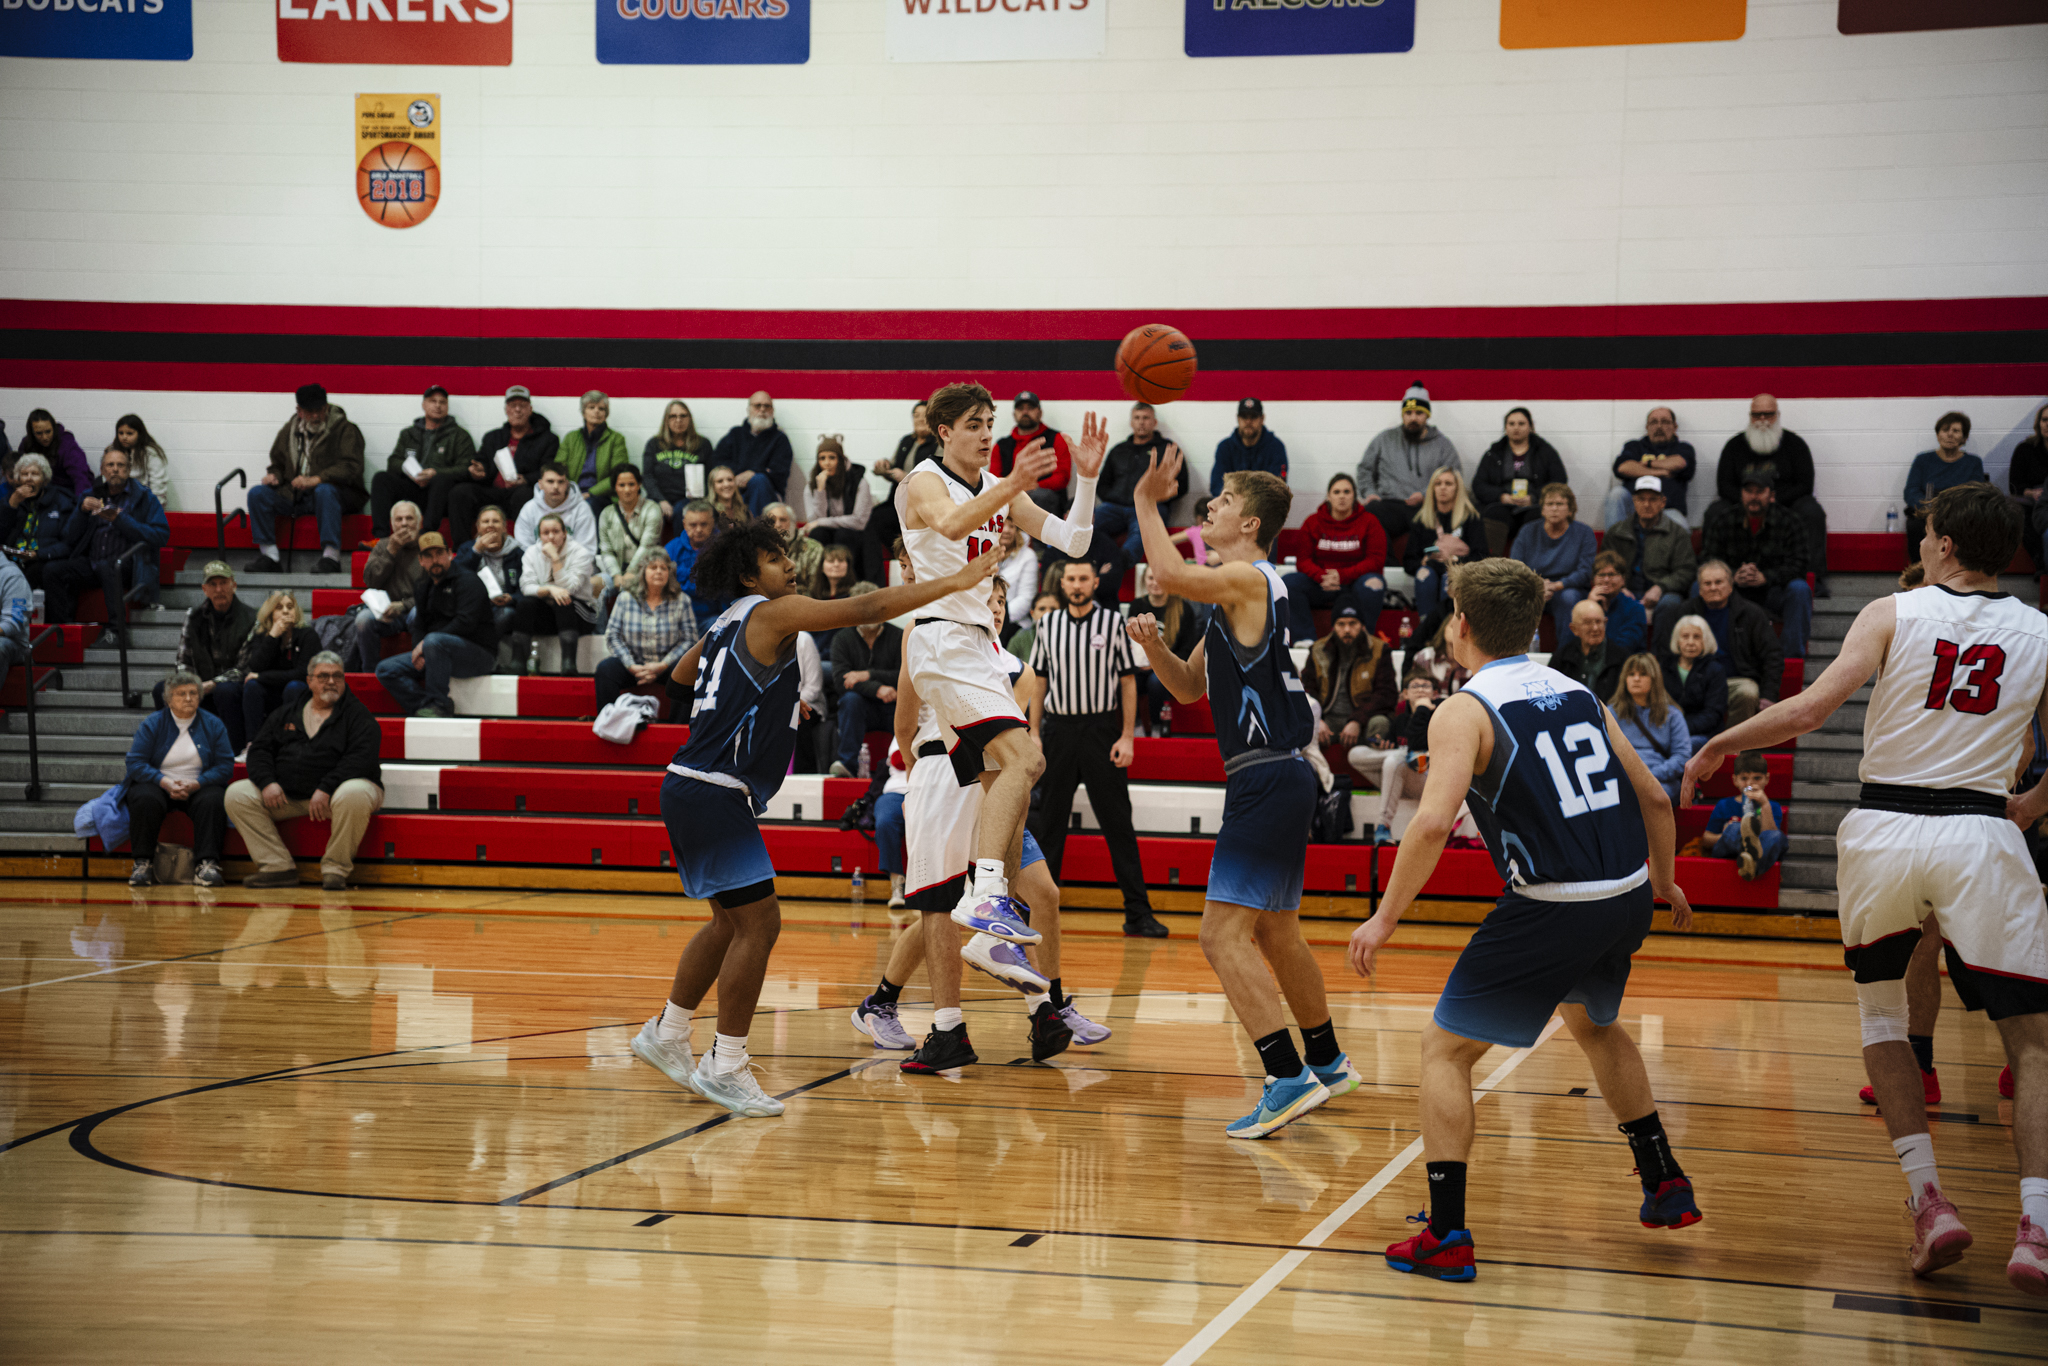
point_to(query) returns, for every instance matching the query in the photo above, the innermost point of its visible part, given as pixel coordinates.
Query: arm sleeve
(1082, 511)
(1059, 532)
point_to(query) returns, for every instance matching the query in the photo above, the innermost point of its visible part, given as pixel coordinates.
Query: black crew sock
(1059, 999)
(1276, 1051)
(1654, 1162)
(886, 993)
(1923, 1050)
(1319, 1042)
(1446, 1197)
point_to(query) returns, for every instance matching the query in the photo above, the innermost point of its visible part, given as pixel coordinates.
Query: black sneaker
(942, 1050)
(1143, 926)
(144, 874)
(327, 565)
(1050, 1034)
(262, 564)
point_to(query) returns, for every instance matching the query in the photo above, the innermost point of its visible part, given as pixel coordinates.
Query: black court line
(1027, 1240)
(1912, 1309)
(651, 1220)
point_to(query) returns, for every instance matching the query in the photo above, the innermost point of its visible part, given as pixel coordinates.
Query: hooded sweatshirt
(1269, 454)
(1395, 467)
(574, 510)
(69, 469)
(1354, 547)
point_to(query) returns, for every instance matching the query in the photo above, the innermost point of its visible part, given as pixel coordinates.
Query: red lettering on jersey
(1978, 696)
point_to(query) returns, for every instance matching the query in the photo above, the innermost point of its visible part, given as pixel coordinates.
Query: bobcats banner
(122, 30)
(395, 32)
(398, 158)
(995, 30)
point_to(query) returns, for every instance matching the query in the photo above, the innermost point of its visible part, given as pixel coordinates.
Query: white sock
(673, 1024)
(2034, 1199)
(332, 552)
(946, 1017)
(895, 882)
(1034, 1002)
(728, 1053)
(269, 550)
(988, 877)
(1916, 1159)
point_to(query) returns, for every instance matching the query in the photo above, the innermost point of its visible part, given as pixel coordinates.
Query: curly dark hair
(734, 556)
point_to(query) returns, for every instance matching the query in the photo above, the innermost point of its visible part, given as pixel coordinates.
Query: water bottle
(863, 765)
(859, 887)
(1891, 520)
(35, 607)
(1407, 630)
(1536, 641)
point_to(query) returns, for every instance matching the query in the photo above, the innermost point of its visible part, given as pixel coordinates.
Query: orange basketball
(1155, 364)
(398, 184)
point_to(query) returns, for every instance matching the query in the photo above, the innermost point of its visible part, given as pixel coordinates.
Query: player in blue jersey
(742, 733)
(1584, 837)
(1251, 913)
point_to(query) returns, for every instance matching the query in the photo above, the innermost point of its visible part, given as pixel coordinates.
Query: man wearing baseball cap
(435, 444)
(211, 642)
(455, 635)
(1029, 417)
(1765, 545)
(521, 446)
(1250, 447)
(316, 469)
(1394, 472)
(1661, 565)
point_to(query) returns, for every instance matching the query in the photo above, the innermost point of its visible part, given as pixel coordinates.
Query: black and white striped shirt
(1081, 661)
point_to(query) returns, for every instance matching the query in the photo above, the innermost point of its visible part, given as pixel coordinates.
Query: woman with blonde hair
(271, 669)
(728, 504)
(670, 453)
(1447, 531)
(840, 504)
(1695, 677)
(1652, 724)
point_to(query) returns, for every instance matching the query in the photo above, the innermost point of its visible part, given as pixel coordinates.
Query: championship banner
(398, 157)
(704, 32)
(395, 32)
(995, 30)
(1290, 28)
(108, 30)
(1605, 23)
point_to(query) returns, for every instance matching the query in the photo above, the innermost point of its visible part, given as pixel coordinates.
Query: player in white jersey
(1935, 844)
(953, 510)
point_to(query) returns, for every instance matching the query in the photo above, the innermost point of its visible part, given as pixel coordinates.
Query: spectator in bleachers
(1019, 571)
(1181, 624)
(1766, 441)
(593, 451)
(555, 496)
(1656, 453)
(14, 613)
(1028, 425)
(1434, 661)
(835, 577)
(759, 454)
(147, 463)
(455, 635)
(839, 505)
(1401, 768)
(669, 455)
(1022, 639)
(628, 530)
(435, 444)
(1741, 639)
(915, 446)
(1399, 464)
(1350, 675)
(1560, 549)
(497, 552)
(557, 595)
(650, 628)
(180, 760)
(728, 506)
(1585, 655)
(1695, 678)
(1628, 625)
(1509, 481)
(118, 516)
(2028, 479)
(1767, 545)
(49, 438)
(33, 519)
(1444, 531)
(804, 553)
(316, 468)
(1251, 447)
(1748, 827)
(270, 670)
(697, 523)
(211, 642)
(394, 570)
(1117, 543)
(315, 758)
(1342, 561)
(1657, 550)
(526, 443)
(1652, 724)
(1945, 467)
(866, 661)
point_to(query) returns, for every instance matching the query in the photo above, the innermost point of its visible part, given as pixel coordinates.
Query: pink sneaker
(1939, 1238)
(2028, 1269)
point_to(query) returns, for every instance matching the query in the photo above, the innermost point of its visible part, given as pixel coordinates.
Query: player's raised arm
(1659, 824)
(1187, 679)
(1074, 532)
(796, 612)
(932, 509)
(1456, 734)
(1231, 584)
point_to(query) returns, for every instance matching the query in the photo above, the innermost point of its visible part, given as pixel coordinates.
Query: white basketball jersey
(1956, 691)
(933, 556)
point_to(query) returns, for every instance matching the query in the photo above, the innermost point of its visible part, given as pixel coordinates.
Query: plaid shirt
(639, 634)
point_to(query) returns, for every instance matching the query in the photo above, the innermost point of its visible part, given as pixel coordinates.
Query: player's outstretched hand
(1092, 447)
(979, 570)
(1681, 909)
(1367, 940)
(1144, 630)
(1034, 462)
(1698, 769)
(1161, 481)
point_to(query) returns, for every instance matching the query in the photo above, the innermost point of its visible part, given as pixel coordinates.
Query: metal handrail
(127, 623)
(221, 518)
(34, 791)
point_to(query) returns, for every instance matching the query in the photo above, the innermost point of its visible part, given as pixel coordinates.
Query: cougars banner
(395, 32)
(994, 30)
(398, 157)
(704, 32)
(132, 30)
(1286, 28)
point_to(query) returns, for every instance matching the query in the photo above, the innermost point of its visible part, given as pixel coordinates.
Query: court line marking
(1251, 1296)
(208, 953)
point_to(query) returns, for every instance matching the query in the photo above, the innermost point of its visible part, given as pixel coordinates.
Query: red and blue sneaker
(1670, 1205)
(1448, 1258)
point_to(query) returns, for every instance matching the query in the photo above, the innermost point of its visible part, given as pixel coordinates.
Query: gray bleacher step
(1825, 765)
(81, 699)
(141, 655)
(18, 817)
(39, 841)
(52, 720)
(70, 795)
(1831, 740)
(1794, 871)
(15, 742)
(101, 772)
(1807, 900)
(1810, 846)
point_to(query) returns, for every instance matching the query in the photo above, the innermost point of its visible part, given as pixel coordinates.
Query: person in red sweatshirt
(1342, 561)
(1051, 493)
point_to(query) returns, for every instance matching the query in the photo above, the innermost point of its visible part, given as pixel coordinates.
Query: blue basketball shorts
(1263, 844)
(717, 841)
(1529, 956)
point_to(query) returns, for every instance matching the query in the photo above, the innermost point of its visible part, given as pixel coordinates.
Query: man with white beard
(759, 454)
(1766, 441)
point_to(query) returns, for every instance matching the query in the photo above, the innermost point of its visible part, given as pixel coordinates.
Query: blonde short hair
(1706, 633)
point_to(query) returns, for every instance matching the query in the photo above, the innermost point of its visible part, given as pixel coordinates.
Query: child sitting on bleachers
(1748, 827)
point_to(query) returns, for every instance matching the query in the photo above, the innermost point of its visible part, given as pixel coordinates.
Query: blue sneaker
(995, 915)
(1341, 1076)
(1280, 1104)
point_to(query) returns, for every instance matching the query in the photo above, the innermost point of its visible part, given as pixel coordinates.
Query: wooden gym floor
(403, 1125)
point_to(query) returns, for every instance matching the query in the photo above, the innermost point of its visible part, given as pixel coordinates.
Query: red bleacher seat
(14, 692)
(68, 645)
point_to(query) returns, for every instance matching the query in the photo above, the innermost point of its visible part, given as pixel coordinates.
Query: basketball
(398, 184)
(1155, 364)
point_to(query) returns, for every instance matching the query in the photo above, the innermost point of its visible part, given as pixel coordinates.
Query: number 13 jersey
(1956, 691)
(933, 556)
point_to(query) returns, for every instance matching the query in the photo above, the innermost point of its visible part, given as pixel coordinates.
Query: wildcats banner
(995, 30)
(1287, 28)
(398, 157)
(395, 32)
(130, 30)
(704, 32)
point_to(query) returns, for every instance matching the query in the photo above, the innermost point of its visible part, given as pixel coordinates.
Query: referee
(1084, 711)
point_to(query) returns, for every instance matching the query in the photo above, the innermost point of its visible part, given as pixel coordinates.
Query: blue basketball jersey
(743, 727)
(1255, 696)
(1554, 803)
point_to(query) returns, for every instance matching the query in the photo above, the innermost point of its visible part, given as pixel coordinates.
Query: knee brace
(1881, 1006)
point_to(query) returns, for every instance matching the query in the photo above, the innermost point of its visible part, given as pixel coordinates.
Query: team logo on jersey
(1541, 695)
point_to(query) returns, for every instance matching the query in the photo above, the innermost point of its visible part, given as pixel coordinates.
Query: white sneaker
(994, 914)
(1005, 962)
(1086, 1031)
(669, 1056)
(736, 1090)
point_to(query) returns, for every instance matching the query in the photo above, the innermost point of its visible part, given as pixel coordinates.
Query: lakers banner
(704, 32)
(995, 30)
(396, 32)
(398, 157)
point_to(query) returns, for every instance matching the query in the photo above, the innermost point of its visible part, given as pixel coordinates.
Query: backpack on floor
(1331, 821)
